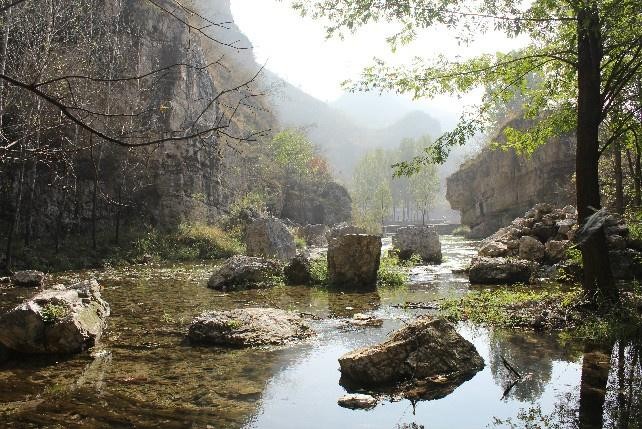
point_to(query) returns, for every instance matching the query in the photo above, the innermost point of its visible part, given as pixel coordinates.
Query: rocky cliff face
(497, 186)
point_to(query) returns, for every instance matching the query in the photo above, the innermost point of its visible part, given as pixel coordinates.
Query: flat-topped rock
(60, 320)
(353, 261)
(420, 240)
(247, 327)
(245, 272)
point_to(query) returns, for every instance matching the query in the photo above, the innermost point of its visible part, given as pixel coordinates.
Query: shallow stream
(144, 374)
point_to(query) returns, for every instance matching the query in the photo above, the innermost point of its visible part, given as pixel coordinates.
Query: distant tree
(371, 189)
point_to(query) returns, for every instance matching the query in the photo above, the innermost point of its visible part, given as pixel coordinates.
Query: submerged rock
(427, 352)
(29, 278)
(422, 240)
(362, 320)
(353, 261)
(500, 270)
(270, 238)
(60, 320)
(357, 401)
(245, 272)
(248, 327)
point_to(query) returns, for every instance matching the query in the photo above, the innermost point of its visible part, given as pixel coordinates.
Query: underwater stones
(500, 270)
(357, 401)
(424, 350)
(248, 327)
(29, 278)
(422, 240)
(353, 261)
(61, 320)
(270, 238)
(246, 272)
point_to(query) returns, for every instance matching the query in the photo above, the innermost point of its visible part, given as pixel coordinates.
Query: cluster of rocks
(420, 240)
(539, 240)
(353, 258)
(425, 359)
(248, 327)
(60, 320)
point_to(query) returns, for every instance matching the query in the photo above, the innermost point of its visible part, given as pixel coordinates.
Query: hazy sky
(296, 49)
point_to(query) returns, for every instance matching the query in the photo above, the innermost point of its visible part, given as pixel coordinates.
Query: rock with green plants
(542, 244)
(246, 272)
(247, 327)
(60, 320)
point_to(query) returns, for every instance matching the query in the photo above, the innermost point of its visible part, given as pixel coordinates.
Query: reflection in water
(595, 375)
(532, 355)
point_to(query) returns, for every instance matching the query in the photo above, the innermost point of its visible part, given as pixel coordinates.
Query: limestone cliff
(497, 186)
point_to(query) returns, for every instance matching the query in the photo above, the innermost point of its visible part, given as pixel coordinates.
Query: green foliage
(234, 324)
(300, 243)
(189, 242)
(392, 273)
(574, 255)
(540, 79)
(319, 271)
(52, 313)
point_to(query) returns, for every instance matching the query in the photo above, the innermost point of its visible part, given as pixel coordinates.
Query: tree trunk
(617, 171)
(598, 279)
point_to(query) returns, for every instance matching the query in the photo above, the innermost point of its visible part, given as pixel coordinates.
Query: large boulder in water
(270, 238)
(353, 261)
(29, 278)
(423, 351)
(247, 327)
(245, 272)
(422, 240)
(500, 270)
(61, 320)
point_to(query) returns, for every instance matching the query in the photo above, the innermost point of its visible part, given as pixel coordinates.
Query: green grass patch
(553, 308)
(392, 272)
(189, 243)
(52, 313)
